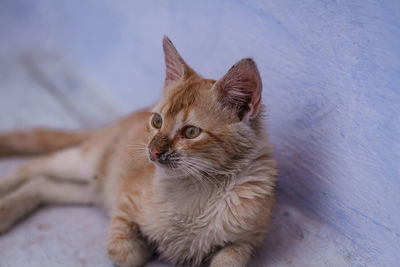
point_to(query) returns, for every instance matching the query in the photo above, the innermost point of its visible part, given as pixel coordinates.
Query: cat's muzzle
(167, 158)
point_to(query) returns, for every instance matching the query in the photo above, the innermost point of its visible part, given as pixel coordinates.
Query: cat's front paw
(127, 252)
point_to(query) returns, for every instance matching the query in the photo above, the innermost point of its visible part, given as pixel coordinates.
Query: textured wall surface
(331, 75)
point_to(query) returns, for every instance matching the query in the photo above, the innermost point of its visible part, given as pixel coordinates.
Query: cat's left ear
(240, 89)
(176, 67)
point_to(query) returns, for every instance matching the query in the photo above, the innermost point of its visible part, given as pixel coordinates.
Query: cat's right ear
(240, 89)
(176, 67)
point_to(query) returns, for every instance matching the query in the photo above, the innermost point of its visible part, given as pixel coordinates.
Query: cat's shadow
(286, 233)
(302, 197)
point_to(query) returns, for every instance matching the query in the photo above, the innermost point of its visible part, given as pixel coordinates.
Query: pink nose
(154, 153)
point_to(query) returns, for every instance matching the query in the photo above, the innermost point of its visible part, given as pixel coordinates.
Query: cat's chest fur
(191, 229)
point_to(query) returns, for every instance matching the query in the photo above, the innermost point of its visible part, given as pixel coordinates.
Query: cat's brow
(182, 100)
(184, 96)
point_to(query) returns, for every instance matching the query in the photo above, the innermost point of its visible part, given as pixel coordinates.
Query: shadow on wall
(300, 149)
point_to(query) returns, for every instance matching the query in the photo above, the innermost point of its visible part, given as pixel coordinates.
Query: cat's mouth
(165, 159)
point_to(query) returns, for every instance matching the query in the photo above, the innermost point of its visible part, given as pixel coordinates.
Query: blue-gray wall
(331, 74)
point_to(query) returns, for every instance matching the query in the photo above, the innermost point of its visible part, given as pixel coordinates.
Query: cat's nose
(158, 147)
(154, 154)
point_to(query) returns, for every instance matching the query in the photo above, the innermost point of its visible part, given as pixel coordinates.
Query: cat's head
(202, 126)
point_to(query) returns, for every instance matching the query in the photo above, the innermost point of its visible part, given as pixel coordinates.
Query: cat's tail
(39, 140)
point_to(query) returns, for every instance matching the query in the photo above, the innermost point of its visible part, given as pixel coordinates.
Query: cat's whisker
(200, 175)
(206, 166)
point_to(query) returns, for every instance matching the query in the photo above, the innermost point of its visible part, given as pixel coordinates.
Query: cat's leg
(69, 164)
(234, 255)
(125, 245)
(41, 191)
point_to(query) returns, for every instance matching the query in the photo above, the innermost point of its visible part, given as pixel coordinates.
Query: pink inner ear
(175, 66)
(240, 89)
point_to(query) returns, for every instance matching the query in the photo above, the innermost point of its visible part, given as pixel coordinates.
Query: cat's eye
(156, 121)
(191, 132)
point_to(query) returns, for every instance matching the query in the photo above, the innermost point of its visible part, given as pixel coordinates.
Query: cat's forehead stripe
(179, 120)
(185, 95)
(182, 98)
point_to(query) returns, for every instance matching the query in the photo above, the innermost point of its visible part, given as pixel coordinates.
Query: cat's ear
(176, 67)
(240, 89)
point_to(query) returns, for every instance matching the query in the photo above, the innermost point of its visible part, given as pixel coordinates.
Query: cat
(191, 178)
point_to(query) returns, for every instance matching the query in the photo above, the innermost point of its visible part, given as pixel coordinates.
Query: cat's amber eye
(191, 132)
(156, 121)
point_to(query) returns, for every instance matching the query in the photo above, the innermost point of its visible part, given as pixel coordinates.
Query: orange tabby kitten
(191, 177)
